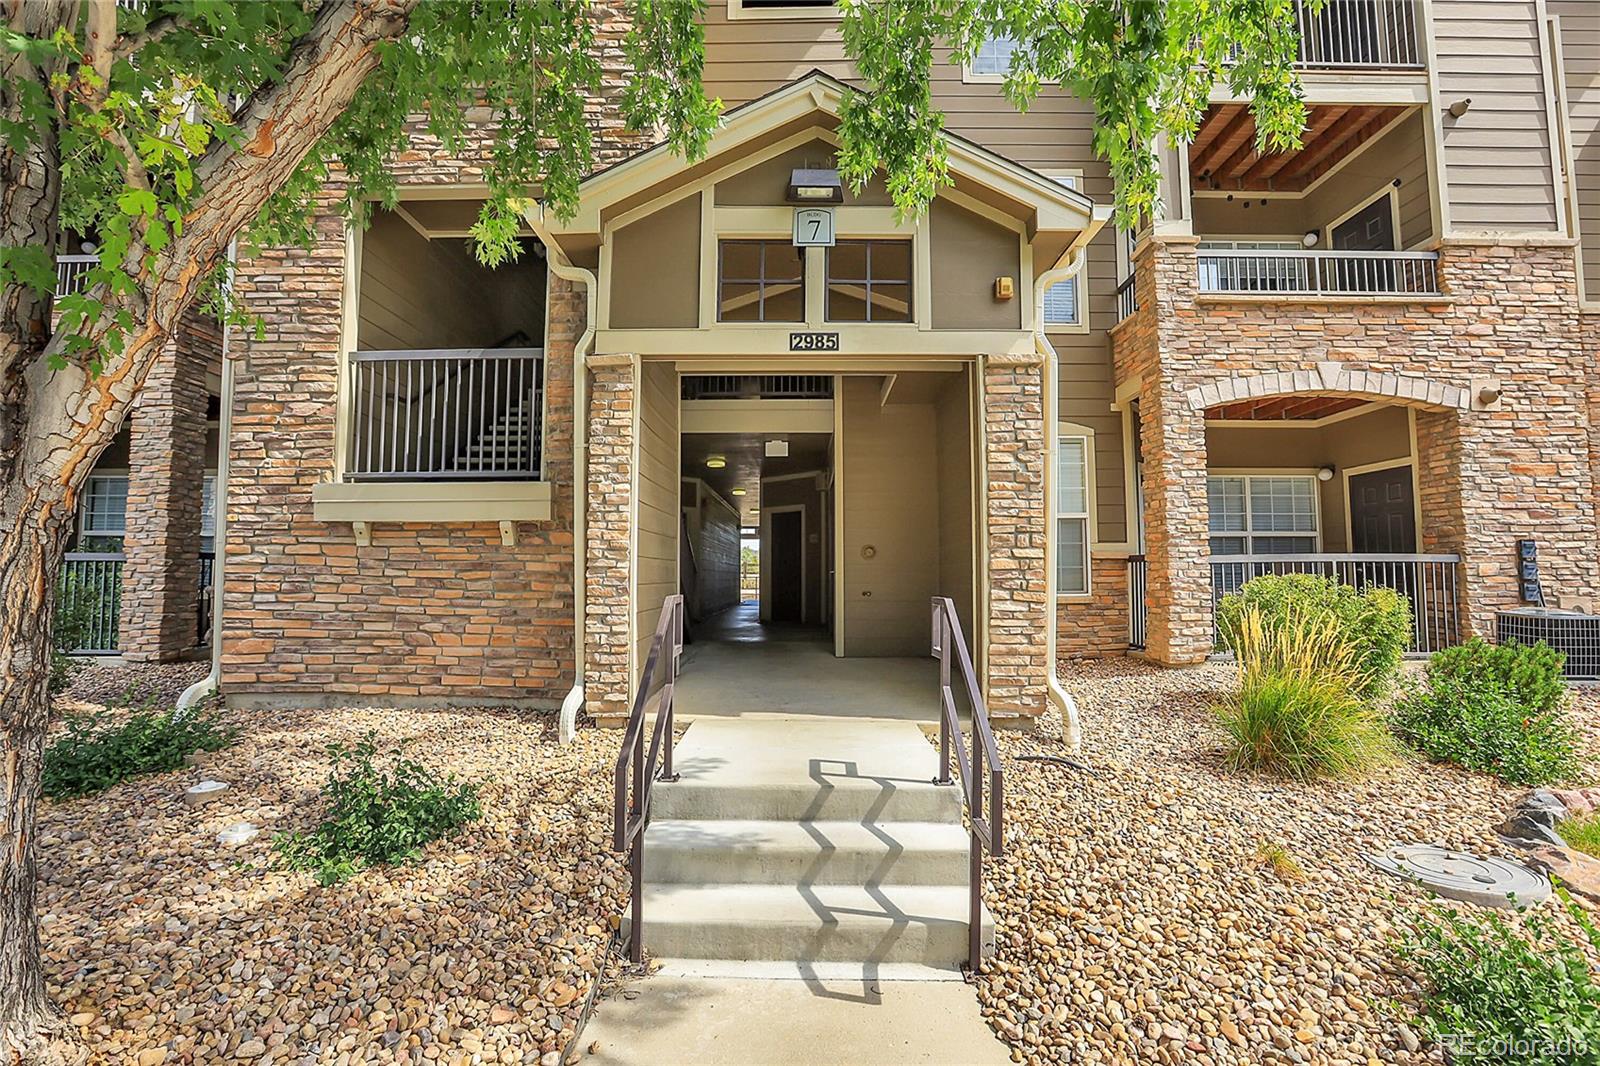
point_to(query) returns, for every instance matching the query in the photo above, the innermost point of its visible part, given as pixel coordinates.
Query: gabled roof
(816, 98)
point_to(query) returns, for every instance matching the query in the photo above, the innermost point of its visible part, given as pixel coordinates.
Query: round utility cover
(1471, 878)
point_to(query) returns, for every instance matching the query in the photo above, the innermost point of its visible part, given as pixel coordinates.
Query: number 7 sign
(813, 227)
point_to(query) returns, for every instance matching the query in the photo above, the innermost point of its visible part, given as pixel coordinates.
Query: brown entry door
(1383, 512)
(788, 580)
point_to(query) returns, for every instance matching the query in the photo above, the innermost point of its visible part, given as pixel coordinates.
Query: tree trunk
(31, 1029)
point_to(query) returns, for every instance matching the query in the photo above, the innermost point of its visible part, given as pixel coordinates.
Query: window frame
(909, 284)
(1250, 533)
(760, 283)
(818, 12)
(84, 508)
(1071, 431)
(971, 76)
(1071, 178)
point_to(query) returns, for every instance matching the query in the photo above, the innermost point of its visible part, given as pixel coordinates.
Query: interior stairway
(807, 840)
(507, 444)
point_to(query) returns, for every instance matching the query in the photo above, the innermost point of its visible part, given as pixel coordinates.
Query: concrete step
(824, 923)
(803, 770)
(736, 851)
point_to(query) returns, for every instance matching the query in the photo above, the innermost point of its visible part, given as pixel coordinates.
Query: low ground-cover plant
(1494, 995)
(96, 752)
(1499, 708)
(1300, 708)
(377, 816)
(1582, 833)
(1376, 622)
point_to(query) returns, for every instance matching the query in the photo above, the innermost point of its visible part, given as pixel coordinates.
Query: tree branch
(130, 44)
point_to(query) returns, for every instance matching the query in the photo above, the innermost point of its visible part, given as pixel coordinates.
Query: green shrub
(1496, 996)
(1499, 709)
(1376, 621)
(377, 817)
(1299, 709)
(95, 754)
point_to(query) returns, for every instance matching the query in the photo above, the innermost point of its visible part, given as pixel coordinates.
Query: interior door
(1383, 512)
(788, 578)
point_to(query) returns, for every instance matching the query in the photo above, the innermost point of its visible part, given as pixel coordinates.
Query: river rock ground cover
(164, 946)
(1139, 922)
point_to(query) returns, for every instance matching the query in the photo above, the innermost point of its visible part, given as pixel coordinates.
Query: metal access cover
(1458, 875)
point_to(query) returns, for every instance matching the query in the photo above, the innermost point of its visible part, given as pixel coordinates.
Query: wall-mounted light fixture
(815, 185)
(1460, 107)
(740, 492)
(1311, 238)
(1325, 473)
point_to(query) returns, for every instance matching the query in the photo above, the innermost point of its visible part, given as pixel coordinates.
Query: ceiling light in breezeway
(716, 462)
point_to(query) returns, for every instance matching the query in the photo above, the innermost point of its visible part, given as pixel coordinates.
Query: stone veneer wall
(1096, 625)
(427, 611)
(608, 596)
(166, 472)
(1019, 587)
(1520, 468)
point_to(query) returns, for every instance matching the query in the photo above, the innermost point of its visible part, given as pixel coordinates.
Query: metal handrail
(984, 832)
(1127, 298)
(630, 818)
(1338, 273)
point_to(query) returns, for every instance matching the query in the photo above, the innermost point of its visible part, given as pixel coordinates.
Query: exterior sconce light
(1004, 288)
(815, 185)
(716, 462)
(1460, 107)
(1325, 473)
(1488, 395)
(1311, 238)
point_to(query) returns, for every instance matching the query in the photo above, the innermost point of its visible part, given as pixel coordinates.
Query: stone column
(1172, 438)
(1015, 453)
(166, 471)
(608, 608)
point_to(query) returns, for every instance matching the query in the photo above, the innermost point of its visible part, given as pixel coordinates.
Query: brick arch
(1411, 390)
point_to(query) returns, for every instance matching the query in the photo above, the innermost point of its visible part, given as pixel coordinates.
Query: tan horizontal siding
(1497, 156)
(1580, 57)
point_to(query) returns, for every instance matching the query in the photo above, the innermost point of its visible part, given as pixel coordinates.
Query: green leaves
(95, 753)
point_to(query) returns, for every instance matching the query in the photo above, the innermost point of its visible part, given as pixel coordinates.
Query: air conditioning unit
(1574, 633)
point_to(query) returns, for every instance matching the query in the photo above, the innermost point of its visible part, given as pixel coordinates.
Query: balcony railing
(71, 271)
(1127, 298)
(758, 387)
(466, 414)
(1428, 582)
(89, 600)
(1359, 33)
(1137, 609)
(1319, 274)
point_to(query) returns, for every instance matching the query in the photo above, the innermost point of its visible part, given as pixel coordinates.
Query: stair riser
(666, 864)
(942, 944)
(687, 802)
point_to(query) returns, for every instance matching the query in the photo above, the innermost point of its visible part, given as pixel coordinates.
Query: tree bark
(55, 424)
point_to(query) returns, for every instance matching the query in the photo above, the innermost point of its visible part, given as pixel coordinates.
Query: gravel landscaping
(165, 946)
(1138, 921)
(135, 683)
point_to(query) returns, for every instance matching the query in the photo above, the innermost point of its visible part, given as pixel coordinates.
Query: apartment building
(1372, 357)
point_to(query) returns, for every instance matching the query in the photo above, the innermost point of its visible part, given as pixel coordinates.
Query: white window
(1061, 304)
(1074, 472)
(1262, 514)
(993, 58)
(105, 506)
(208, 513)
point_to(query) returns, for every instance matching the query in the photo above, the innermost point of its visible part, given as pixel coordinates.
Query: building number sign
(813, 342)
(813, 227)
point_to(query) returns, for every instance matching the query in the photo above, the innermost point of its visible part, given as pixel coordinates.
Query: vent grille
(1574, 634)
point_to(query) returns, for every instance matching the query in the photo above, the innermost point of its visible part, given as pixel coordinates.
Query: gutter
(1076, 255)
(563, 268)
(209, 684)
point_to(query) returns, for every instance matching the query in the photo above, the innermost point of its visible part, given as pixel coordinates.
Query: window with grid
(1262, 514)
(760, 281)
(869, 281)
(105, 506)
(994, 56)
(1072, 516)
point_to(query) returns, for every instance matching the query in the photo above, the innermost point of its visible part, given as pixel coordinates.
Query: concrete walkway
(712, 1021)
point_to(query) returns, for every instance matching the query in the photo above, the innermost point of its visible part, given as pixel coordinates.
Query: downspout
(219, 537)
(1076, 255)
(563, 268)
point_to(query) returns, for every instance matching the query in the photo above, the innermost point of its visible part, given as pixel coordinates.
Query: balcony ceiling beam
(1222, 131)
(1340, 134)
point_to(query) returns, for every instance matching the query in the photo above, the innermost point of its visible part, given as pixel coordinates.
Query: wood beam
(1200, 162)
(1337, 134)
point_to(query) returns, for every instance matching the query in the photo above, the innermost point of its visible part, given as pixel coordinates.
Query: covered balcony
(1360, 35)
(1349, 216)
